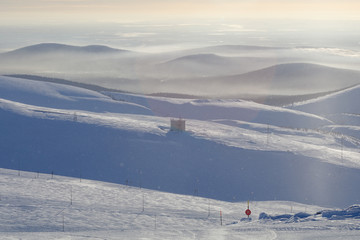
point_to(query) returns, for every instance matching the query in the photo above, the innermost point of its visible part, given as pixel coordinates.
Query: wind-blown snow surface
(221, 155)
(42, 206)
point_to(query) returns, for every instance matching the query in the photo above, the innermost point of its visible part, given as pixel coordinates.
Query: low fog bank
(219, 71)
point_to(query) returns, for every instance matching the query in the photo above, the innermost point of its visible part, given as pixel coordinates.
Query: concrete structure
(177, 124)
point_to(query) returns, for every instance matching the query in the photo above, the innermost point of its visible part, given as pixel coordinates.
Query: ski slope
(44, 206)
(224, 154)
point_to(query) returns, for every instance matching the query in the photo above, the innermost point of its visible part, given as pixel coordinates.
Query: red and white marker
(248, 211)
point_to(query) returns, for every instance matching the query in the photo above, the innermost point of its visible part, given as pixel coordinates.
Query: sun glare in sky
(42, 11)
(152, 24)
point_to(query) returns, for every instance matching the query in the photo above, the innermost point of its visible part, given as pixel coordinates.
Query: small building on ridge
(177, 124)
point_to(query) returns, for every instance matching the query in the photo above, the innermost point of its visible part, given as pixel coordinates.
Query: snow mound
(350, 212)
(285, 217)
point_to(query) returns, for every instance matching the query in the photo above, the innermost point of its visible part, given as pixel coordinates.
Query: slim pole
(63, 222)
(209, 209)
(221, 221)
(155, 221)
(143, 203)
(342, 147)
(71, 196)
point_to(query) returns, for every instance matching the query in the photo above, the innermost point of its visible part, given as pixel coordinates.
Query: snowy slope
(341, 107)
(60, 96)
(223, 159)
(42, 206)
(344, 101)
(234, 109)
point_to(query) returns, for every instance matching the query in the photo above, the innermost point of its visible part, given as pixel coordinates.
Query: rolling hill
(225, 159)
(208, 64)
(341, 107)
(55, 48)
(206, 72)
(282, 79)
(340, 102)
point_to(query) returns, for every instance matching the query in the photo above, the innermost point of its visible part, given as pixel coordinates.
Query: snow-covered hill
(335, 105)
(340, 107)
(44, 206)
(61, 96)
(220, 155)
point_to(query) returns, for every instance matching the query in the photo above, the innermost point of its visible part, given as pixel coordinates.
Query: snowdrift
(285, 217)
(352, 212)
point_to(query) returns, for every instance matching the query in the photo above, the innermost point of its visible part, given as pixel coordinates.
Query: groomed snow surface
(284, 160)
(43, 206)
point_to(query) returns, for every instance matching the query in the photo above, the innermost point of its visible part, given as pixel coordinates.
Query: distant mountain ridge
(298, 76)
(226, 71)
(208, 58)
(56, 47)
(297, 69)
(226, 48)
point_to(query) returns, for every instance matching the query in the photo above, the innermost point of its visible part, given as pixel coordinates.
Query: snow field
(221, 157)
(39, 206)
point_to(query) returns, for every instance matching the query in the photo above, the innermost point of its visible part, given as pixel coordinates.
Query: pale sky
(65, 11)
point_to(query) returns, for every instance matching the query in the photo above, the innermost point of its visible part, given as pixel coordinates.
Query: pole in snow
(155, 221)
(248, 211)
(71, 196)
(342, 147)
(221, 218)
(63, 222)
(143, 203)
(209, 209)
(19, 167)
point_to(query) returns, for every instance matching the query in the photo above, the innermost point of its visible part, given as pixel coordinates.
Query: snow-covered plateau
(81, 164)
